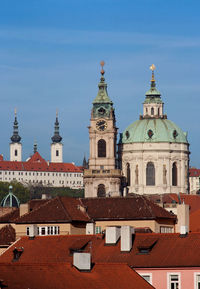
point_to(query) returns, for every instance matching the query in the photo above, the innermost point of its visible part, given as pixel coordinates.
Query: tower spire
(35, 147)
(56, 138)
(15, 138)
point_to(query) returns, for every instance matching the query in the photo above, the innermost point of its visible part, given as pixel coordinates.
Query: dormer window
(146, 245)
(17, 252)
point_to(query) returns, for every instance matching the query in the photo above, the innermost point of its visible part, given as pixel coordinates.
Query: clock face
(101, 124)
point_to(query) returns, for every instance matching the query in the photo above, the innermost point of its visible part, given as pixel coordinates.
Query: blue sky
(49, 59)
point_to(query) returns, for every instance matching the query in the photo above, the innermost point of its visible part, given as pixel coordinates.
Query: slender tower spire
(15, 138)
(56, 146)
(15, 145)
(35, 147)
(56, 138)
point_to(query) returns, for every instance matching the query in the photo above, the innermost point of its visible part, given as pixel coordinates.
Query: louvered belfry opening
(102, 148)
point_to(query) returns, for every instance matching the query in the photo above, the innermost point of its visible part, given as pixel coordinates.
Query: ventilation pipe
(82, 261)
(112, 235)
(126, 238)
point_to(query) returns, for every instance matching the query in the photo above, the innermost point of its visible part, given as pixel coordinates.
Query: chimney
(32, 231)
(90, 228)
(112, 235)
(23, 209)
(182, 225)
(126, 238)
(82, 261)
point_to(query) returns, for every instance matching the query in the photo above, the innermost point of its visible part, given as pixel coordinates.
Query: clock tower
(102, 178)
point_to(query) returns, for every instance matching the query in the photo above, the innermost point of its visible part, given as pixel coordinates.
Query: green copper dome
(152, 131)
(10, 200)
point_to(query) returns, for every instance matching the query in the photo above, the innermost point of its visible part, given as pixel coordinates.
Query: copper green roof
(102, 96)
(10, 200)
(153, 130)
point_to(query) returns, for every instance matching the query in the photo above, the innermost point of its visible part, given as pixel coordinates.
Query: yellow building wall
(152, 224)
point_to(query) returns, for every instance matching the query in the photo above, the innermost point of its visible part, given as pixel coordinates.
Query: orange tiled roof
(37, 163)
(7, 235)
(62, 276)
(59, 209)
(194, 172)
(181, 251)
(10, 216)
(135, 207)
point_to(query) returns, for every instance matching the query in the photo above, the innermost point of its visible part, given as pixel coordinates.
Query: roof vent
(82, 261)
(112, 235)
(126, 238)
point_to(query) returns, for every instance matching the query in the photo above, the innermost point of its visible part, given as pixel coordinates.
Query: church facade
(153, 152)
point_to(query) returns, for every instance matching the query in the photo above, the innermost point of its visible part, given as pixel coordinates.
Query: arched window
(102, 148)
(15, 152)
(158, 111)
(174, 174)
(101, 191)
(146, 110)
(152, 111)
(150, 174)
(128, 174)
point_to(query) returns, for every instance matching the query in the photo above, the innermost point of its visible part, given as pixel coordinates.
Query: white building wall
(73, 180)
(56, 152)
(16, 152)
(160, 154)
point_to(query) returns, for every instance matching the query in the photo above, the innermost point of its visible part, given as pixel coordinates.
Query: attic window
(146, 245)
(175, 134)
(17, 252)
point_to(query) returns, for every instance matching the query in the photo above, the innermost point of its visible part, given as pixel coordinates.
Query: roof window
(146, 245)
(17, 252)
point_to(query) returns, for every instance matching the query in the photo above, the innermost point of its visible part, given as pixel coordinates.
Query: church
(153, 152)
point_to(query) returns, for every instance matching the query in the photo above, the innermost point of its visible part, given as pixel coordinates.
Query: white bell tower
(15, 145)
(56, 146)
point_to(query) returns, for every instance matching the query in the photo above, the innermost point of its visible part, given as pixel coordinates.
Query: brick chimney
(126, 238)
(112, 235)
(82, 261)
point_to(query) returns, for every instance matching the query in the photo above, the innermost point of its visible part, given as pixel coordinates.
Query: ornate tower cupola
(102, 178)
(56, 146)
(35, 147)
(10, 200)
(15, 145)
(153, 105)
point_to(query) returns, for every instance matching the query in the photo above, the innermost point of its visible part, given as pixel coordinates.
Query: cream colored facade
(57, 152)
(194, 184)
(155, 226)
(16, 152)
(102, 178)
(163, 156)
(73, 180)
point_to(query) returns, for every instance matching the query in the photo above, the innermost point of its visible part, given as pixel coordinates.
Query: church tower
(15, 145)
(56, 146)
(102, 178)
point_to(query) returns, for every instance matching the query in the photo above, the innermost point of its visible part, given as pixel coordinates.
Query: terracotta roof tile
(135, 207)
(59, 209)
(62, 276)
(10, 217)
(37, 163)
(7, 235)
(194, 172)
(180, 252)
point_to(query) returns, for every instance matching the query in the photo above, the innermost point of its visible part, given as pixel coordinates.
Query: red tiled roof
(135, 207)
(10, 216)
(195, 221)
(59, 209)
(193, 172)
(7, 235)
(168, 250)
(62, 276)
(37, 163)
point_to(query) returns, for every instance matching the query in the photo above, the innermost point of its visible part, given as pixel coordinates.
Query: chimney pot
(82, 261)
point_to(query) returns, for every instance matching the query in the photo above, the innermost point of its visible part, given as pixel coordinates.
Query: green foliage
(21, 192)
(24, 194)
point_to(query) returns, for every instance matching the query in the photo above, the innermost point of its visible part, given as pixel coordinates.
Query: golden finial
(152, 67)
(102, 63)
(15, 111)
(56, 112)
